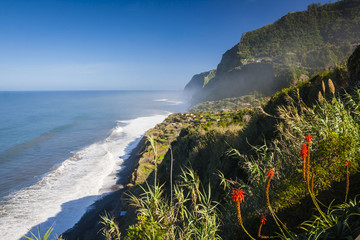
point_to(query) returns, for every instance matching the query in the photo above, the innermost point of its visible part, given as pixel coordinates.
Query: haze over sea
(61, 151)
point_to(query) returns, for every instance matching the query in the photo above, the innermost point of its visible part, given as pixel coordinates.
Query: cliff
(199, 81)
(291, 49)
(235, 148)
(236, 152)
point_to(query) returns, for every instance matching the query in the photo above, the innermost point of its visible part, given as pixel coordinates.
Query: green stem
(275, 217)
(313, 198)
(308, 165)
(247, 232)
(238, 213)
(347, 182)
(171, 173)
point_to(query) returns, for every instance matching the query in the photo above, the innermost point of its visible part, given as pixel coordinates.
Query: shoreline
(88, 226)
(135, 172)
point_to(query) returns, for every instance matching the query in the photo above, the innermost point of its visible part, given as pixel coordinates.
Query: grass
(232, 154)
(110, 229)
(192, 215)
(334, 125)
(45, 236)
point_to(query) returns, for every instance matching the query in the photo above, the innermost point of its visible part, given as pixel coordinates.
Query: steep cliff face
(199, 81)
(297, 45)
(238, 82)
(354, 67)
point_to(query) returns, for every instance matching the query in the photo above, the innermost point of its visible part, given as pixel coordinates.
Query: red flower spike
(347, 163)
(270, 173)
(263, 219)
(238, 195)
(308, 138)
(303, 152)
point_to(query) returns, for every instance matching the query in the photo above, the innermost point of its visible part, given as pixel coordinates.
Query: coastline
(78, 157)
(88, 226)
(135, 173)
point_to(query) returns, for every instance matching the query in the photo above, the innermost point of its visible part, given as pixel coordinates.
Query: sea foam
(169, 102)
(61, 197)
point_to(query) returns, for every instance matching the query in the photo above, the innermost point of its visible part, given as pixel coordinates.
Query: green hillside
(291, 49)
(189, 180)
(222, 168)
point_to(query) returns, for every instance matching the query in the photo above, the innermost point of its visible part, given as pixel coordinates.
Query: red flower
(308, 138)
(270, 173)
(263, 219)
(303, 152)
(347, 163)
(238, 195)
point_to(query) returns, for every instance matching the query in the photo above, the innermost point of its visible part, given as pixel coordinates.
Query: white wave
(63, 196)
(161, 100)
(170, 102)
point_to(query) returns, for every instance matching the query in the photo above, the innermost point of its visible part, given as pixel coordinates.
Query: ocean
(62, 151)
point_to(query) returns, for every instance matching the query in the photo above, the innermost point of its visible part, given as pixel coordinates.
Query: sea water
(62, 151)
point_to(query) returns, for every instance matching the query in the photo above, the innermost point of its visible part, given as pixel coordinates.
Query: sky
(123, 44)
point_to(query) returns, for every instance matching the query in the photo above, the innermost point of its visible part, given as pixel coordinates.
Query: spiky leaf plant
(192, 215)
(110, 228)
(42, 237)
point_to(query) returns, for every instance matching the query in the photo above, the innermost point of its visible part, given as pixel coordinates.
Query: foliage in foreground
(339, 222)
(110, 229)
(343, 223)
(334, 124)
(42, 237)
(191, 215)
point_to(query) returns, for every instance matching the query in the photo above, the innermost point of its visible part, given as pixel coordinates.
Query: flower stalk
(238, 198)
(308, 139)
(303, 155)
(347, 180)
(262, 223)
(311, 186)
(312, 183)
(270, 175)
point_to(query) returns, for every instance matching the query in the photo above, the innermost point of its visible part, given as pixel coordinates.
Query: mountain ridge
(292, 48)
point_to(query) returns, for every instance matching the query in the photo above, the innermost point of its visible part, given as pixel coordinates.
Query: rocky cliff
(291, 49)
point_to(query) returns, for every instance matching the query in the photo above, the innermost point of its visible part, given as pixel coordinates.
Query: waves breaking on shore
(63, 196)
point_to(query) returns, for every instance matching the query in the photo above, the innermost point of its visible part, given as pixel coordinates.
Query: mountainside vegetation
(290, 50)
(288, 169)
(256, 167)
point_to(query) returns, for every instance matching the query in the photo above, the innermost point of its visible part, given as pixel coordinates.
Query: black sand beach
(88, 227)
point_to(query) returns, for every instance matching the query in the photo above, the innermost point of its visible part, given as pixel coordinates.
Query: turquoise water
(54, 145)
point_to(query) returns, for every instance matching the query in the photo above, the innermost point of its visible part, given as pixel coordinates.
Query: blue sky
(123, 44)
